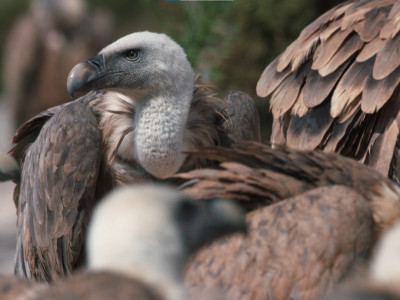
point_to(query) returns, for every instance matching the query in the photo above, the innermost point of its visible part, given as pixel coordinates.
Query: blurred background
(230, 43)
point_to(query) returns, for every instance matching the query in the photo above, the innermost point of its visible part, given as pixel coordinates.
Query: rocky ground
(7, 208)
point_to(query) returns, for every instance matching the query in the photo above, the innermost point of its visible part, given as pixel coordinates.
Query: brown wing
(258, 175)
(296, 249)
(57, 191)
(335, 87)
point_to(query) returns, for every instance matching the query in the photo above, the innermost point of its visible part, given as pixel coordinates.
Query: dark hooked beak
(83, 75)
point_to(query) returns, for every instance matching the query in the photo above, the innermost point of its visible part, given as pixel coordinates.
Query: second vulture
(142, 110)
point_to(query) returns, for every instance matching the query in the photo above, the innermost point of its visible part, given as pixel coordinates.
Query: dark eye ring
(132, 54)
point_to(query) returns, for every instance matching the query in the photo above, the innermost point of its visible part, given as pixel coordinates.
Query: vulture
(313, 219)
(335, 88)
(142, 110)
(140, 238)
(382, 278)
(41, 48)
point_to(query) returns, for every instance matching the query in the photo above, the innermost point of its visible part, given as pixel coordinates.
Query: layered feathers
(335, 87)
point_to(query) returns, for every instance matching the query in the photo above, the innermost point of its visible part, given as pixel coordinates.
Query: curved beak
(9, 168)
(83, 76)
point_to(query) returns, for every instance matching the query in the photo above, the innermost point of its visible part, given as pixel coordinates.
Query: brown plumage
(313, 217)
(335, 87)
(128, 129)
(42, 47)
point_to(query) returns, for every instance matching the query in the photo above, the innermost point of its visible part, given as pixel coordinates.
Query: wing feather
(355, 59)
(388, 58)
(308, 131)
(57, 191)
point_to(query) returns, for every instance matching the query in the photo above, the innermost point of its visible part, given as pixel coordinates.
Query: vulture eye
(132, 54)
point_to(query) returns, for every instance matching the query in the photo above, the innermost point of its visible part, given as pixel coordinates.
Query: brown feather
(307, 132)
(270, 79)
(350, 46)
(370, 49)
(326, 51)
(370, 27)
(317, 88)
(387, 59)
(382, 149)
(377, 92)
(350, 87)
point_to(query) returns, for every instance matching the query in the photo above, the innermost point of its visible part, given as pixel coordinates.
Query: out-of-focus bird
(143, 110)
(42, 47)
(139, 240)
(313, 218)
(335, 88)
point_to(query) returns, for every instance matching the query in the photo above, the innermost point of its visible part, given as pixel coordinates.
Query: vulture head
(149, 232)
(151, 72)
(139, 65)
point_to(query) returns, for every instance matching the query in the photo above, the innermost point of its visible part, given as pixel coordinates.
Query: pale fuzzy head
(385, 264)
(139, 65)
(149, 232)
(161, 62)
(133, 226)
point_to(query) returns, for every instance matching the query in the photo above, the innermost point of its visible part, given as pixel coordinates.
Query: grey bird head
(149, 231)
(9, 169)
(139, 65)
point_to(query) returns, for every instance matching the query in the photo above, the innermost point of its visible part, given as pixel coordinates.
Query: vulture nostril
(96, 62)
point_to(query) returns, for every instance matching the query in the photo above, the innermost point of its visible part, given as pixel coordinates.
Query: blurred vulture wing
(61, 160)
(296, 249)
(335, 87)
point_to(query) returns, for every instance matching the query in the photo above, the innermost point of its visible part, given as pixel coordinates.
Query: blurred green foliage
(228, 42)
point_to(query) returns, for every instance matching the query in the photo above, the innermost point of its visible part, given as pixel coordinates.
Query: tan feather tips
(9, 169)
(351, 38)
